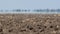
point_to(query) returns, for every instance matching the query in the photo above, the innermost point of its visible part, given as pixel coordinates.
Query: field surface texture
(29, 23)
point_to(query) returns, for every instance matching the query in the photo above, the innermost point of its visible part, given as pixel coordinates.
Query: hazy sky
(29, 4)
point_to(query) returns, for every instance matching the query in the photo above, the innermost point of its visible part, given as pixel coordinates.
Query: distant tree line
(21, 10)
(51, 10)
(37, 10)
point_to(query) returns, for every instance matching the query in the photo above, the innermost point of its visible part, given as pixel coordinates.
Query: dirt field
(29, 23)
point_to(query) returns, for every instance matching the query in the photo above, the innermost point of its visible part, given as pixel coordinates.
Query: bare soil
(29, 23)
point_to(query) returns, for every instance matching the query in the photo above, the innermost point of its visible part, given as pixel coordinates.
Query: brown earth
(29, 23)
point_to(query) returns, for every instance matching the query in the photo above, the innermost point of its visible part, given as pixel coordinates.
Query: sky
(29, 4)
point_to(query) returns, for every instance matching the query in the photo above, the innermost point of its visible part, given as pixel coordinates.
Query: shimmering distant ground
(31, 12)
(29, 23)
